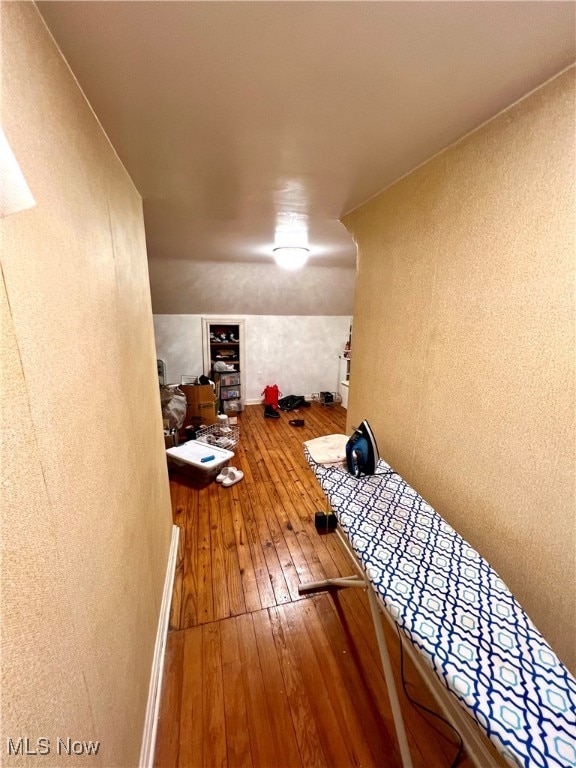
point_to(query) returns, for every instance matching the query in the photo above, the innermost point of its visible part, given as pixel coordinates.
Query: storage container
(230, 380)
(229, 394)
(189, 456)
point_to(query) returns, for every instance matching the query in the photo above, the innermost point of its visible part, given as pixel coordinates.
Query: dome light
(291, 257)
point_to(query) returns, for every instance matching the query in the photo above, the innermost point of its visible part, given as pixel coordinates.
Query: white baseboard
(157, 673)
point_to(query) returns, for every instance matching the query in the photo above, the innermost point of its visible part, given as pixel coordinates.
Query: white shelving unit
(344, 371)
(223, 340)
(343, 379)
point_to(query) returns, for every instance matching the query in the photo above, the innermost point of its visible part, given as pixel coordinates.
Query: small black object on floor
(296, 422)
(325, 522)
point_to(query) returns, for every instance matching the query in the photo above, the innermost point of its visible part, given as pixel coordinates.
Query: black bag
(291, 402)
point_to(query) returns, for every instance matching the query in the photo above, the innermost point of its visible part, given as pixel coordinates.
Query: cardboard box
(170, 438)
(201, 405)
(201, 393)
(201, 413)
(169, 441)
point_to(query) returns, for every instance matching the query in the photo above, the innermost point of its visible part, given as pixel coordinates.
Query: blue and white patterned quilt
(460, 615)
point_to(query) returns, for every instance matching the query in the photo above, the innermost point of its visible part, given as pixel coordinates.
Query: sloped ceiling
(237, 118)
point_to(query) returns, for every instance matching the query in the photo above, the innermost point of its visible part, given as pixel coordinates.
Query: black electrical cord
(426, 709)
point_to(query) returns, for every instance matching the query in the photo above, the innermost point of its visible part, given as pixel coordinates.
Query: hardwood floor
(255, 674)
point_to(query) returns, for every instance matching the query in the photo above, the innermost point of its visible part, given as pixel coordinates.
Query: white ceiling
(229, 115)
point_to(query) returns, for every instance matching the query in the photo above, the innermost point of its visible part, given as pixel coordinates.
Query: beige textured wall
(463, 344)
(86, 518)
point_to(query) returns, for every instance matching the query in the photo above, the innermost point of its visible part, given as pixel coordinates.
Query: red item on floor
(271, 395)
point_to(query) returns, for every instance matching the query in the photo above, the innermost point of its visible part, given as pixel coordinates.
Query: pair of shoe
(270, 412)
(229, 476)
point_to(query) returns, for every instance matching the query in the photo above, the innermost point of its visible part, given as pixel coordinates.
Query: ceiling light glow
(290, 257)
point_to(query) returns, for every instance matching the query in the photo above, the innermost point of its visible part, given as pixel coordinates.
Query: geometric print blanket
(458, 613)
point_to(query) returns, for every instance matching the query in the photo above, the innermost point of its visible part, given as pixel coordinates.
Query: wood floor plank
(179, 518)
(281, 525)
(330, 735)
(336, 681)
(294, 494)
(278, 708)
(191, 708)
(220, 597)
(189, 606)
(168, 735)
(256, 596)
(337, 553)
(257, 526)
(214, 753)
(266, 513)
(232, 570)
(353, 673)
(237, 735)
(261, 739)
(204, 570)
(307, 735)
(243, 510)
(358, 622)
(299, 524)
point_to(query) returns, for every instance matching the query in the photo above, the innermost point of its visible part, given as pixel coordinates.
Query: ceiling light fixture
(291, 257)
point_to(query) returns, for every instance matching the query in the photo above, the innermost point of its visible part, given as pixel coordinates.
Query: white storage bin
(190, 455)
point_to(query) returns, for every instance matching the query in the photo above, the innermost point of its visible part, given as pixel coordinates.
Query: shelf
(225, 350)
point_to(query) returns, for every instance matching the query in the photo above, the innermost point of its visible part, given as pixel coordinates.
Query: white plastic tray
(193, 451)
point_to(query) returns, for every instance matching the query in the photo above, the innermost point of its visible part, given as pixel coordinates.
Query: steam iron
(362, 451)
